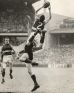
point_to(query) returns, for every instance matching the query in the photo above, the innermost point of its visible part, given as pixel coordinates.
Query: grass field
(51, 80)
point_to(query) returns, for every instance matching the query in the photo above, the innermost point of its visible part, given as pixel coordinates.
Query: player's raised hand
(46, 4)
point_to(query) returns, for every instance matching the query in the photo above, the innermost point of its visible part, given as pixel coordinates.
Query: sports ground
(51, 80)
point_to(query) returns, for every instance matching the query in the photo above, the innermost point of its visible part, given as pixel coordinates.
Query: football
(46, 4)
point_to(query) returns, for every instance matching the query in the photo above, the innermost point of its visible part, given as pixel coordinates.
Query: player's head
(42, 18)
(6, 40)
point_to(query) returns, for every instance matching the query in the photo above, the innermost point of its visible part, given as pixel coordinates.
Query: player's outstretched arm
(49, 17)
(39, 9)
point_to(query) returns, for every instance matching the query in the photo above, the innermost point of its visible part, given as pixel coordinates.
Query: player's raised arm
(39, 9)
(45, 5)
(49, 16)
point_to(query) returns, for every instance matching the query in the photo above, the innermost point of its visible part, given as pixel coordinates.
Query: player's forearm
(49, 18)
(49, 12)
(39, 9)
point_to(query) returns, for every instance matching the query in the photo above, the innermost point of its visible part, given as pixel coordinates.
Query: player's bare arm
(49, 17)
(39, 9)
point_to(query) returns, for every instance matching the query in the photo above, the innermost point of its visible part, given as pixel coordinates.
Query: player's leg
(31, 37)
(11, 70)
(33, 76)
(24, 58)
(10, 66)
(42, 37)
(3, 67)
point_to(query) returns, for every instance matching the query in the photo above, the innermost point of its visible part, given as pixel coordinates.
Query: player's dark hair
(42, 18)
(6, 38)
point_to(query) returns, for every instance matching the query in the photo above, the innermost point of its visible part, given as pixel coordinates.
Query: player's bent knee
(23, 57)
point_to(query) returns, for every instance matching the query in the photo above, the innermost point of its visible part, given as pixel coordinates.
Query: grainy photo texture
(36, 46)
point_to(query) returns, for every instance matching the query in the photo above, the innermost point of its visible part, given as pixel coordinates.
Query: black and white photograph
(36, 46)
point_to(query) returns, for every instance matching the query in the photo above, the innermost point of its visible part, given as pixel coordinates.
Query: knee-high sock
(3, 72)
(34, 79)
(42, 37)
(11, 71)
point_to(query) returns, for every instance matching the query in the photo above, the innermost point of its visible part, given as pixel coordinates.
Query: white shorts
(7, 59)
(23, 57)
